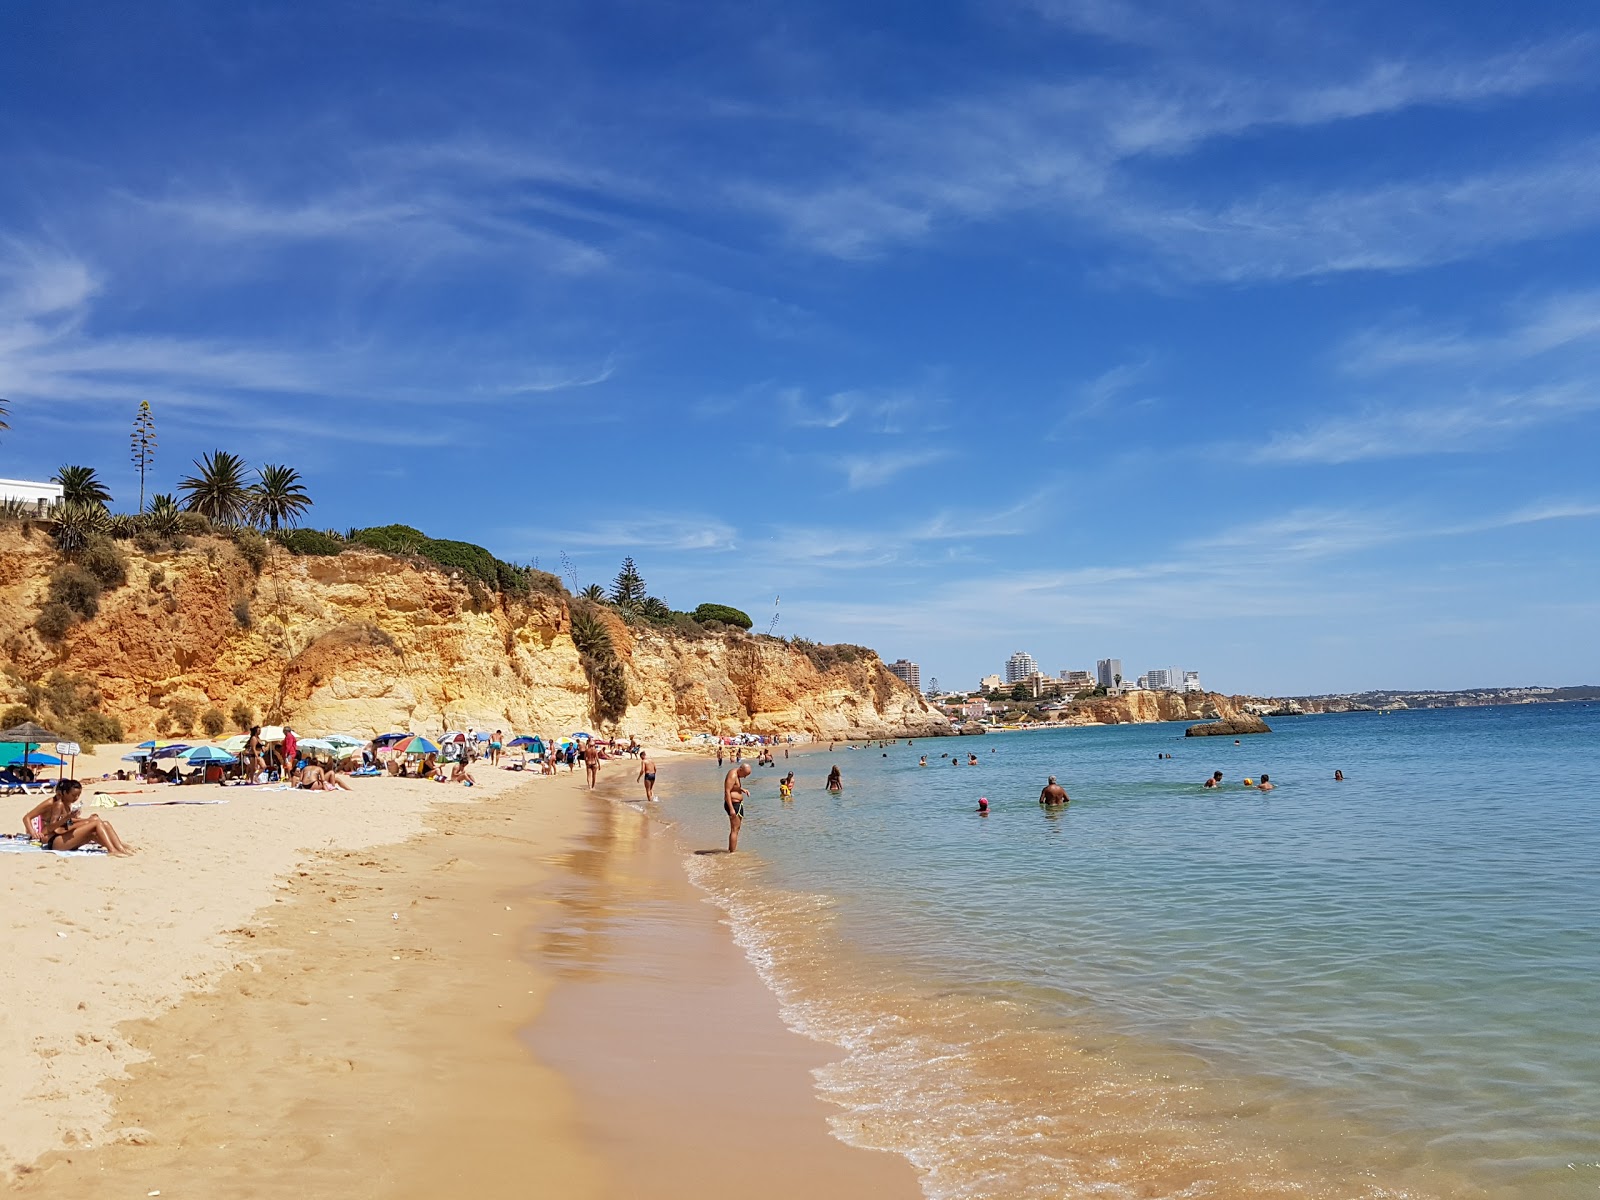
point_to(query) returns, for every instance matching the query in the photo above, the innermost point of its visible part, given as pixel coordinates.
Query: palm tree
(81, 486)
(278, 496)
(5, 411)
(219, 491)
(594, 592)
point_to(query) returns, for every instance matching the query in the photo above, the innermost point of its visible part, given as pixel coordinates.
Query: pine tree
(144, 444)
(627, 590)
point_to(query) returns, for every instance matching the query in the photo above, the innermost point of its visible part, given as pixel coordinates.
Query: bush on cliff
(825, 658)
(724, 613)
(459, 558)
(311, 542)
(103, 559)
(68, 704)
(74, 587)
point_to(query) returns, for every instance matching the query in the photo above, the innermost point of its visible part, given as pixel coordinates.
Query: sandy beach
(409, 990)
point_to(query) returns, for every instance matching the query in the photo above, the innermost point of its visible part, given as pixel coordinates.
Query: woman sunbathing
(60, 829)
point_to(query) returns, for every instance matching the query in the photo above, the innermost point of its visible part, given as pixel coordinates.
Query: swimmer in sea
(983, 805)
(1338, 776)
(1053, 795)
(733, 798)
(923, 762)
(972, 760)
(1215, 780)
(1266, 785)
(835, 780)
(786, 788)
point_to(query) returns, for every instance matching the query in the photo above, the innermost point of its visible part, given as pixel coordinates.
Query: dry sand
(284, 995)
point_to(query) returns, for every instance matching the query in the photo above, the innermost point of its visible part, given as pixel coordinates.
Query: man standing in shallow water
(1053, 794)
(733, 798)
(647, 772)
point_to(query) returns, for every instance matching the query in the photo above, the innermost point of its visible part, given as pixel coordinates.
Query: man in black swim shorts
(647, 772)
(733, 798)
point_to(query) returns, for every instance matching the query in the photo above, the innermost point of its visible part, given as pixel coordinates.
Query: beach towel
(15, 843)
(165, 803)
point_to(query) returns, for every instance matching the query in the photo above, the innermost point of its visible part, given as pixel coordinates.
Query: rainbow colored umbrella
(415, 744)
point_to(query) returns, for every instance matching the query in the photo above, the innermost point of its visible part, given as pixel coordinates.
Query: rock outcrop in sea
(1236, 725)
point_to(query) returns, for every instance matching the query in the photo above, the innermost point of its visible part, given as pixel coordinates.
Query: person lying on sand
(61, 829)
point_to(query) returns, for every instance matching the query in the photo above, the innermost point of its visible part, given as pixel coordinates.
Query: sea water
(1387, 986)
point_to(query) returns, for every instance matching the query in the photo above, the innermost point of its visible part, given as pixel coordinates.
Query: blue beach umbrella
(170, 750)
(12, 755)
(522, 740)
(207, 754)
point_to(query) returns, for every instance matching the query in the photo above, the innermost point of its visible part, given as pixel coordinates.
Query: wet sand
(527, 998)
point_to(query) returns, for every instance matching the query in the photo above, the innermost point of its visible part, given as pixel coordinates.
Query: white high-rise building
(907, 672)
(1019, 666)
(1077, 678)
(1163, 679)
(1191, 681)
(1108, 672)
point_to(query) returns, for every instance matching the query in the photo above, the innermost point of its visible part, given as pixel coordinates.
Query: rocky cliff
(366, 642)
(1137, 707)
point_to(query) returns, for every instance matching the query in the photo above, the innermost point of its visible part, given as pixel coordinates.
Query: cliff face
(1137, 707)
(364, 642)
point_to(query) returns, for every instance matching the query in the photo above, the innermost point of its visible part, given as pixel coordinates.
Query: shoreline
(365, 1027)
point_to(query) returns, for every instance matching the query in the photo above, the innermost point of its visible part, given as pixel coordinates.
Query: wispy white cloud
(690, 532)
(1536, 328)
(875, 470)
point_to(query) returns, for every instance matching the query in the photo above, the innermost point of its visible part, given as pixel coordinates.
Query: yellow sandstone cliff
(364, 642)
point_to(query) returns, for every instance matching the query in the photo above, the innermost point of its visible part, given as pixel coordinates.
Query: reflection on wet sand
(688, 1083)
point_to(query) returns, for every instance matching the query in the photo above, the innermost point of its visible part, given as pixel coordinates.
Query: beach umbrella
(483, 737)
(272, 733)
(415, 744)
(12, 755)
(170, 750)
(524, 740)
(454, 736)
(138, 758)
(582, 736)
(343, 739)
(384, 740)
(236, 743)
(207, 754)
(28, 735)
(322, 744)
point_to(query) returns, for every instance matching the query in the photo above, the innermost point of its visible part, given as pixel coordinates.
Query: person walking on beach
(252, 754)
(733, 798)
(1053, 795)
(719, 754)
(591, 761)
(647, 772)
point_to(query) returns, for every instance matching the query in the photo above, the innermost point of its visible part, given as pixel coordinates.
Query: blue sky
(1254, 338)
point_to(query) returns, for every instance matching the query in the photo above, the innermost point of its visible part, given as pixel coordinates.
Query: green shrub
(213, 722)
(74, 587)
(242, 716)
(16, 715)
(724, 613)
(252, 547)
(95, 727)
(460, 558)
(103, 559)
(181, 715)
(54, 620)
(311, 541)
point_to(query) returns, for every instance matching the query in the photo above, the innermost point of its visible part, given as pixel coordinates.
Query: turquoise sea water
(1388, 986)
